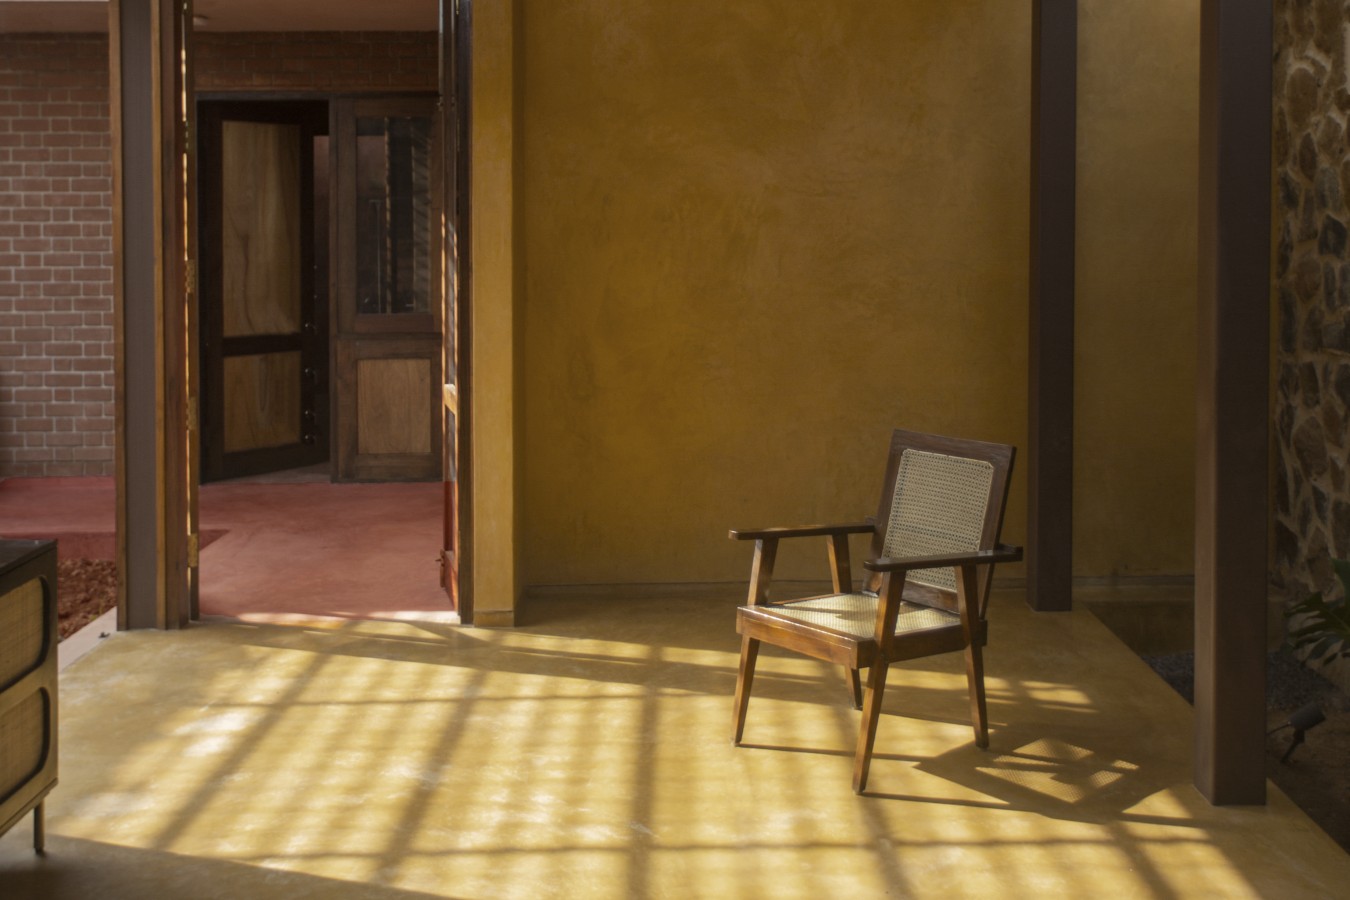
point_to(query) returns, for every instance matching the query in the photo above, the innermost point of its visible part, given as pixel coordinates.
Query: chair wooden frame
(964, 627)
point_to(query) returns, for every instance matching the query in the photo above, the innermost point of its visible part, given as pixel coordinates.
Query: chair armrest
(1001, 553)
(760, 534)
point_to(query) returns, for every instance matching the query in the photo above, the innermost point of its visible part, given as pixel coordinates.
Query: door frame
(456, 41)
(154, 299)
(152, 108)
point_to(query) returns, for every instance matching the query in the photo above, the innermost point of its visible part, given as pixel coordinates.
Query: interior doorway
(324, 303)
(159, 384)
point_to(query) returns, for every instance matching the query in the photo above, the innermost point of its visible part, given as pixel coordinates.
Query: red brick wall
(336, 62)
(56, 329)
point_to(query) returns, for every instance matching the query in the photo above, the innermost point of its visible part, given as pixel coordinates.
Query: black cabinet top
(14, 553)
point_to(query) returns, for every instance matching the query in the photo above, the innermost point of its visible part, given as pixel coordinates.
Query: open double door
(321, 310)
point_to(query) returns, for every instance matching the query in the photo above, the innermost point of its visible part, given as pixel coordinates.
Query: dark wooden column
(1050, 379)
(150, 310)
(1232, 399)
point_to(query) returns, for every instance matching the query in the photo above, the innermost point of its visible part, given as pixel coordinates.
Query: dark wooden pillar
(1050, 379)
(146, 46)
(1232, 399)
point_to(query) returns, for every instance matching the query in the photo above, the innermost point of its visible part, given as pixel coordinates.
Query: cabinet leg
(40, 830)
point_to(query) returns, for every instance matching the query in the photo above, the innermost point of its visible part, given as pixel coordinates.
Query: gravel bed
(1289, 684)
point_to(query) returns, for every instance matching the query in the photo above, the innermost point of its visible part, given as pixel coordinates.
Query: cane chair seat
(856, 614)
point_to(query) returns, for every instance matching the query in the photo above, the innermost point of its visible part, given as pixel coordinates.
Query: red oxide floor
(270, 550)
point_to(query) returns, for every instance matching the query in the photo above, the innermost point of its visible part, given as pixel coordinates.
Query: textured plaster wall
(498, 561)
(1136, 265)
(757, 236)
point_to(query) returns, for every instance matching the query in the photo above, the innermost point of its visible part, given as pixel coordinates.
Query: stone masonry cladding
(1312, 282)
(1312, 391)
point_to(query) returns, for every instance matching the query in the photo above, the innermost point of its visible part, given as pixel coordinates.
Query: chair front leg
(867, 730)
(744, 677)
(888, 610)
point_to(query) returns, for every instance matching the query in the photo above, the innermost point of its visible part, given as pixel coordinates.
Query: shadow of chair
(934, 546)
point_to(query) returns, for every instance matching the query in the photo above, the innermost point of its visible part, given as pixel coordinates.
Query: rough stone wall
(1312, 397)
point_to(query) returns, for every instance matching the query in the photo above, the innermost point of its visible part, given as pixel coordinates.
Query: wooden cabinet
(27, 681)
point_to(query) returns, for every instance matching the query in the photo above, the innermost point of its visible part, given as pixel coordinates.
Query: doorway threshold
(319, 473)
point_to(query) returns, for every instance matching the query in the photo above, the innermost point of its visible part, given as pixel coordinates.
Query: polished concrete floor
(586, 754)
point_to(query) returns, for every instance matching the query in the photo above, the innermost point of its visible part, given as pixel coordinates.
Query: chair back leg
(744, 677)
(854, 687)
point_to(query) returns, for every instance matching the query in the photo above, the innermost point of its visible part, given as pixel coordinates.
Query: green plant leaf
(1342, 568)
(1324, 629)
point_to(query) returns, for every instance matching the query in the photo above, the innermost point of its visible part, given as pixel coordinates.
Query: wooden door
(457, 530)
(264, 353)
(388, 307)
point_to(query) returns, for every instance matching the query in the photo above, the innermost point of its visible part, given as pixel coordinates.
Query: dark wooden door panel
(388, 303)
(389, 401)
(260, 229)
(263, 349)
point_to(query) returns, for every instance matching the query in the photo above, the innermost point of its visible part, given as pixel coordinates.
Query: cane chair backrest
(942, 496)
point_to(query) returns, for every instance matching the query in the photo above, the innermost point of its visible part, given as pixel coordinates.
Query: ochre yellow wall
(1138, 131)
(757, 236)
(732, 245)
(498, 559)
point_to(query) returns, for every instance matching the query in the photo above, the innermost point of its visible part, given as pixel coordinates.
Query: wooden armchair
(934, 546)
